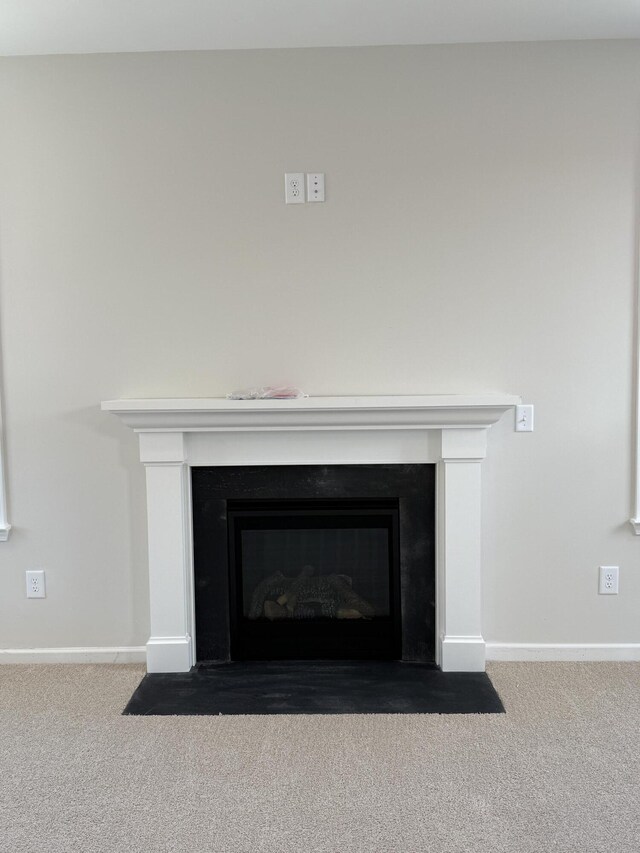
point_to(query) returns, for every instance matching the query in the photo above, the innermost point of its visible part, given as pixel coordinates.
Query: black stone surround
(412, 486)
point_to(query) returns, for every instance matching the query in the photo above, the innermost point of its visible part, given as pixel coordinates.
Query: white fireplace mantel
(449, 430)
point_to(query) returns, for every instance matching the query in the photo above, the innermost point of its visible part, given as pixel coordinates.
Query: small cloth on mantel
(268, 392)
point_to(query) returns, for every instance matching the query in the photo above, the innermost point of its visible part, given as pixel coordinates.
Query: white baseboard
(169, 654)
(563, 651)
(89, 654)
(462, 654)
(495, 652)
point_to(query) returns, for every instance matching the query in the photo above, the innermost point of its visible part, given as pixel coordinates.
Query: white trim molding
(462, 653)
(314, 413)
(82, 654)
(169, 654)
(5, 527)
(449, 431)
(563, 651)
(635, 520)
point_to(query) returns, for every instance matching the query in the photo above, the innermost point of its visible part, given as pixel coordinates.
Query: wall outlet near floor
(35, 584)
(608, 580)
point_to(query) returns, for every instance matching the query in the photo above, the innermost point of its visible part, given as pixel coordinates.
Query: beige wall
(478, 235)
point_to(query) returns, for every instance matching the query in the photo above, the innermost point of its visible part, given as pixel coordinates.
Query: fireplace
(314, 562)
(314, 580)
(180, 437)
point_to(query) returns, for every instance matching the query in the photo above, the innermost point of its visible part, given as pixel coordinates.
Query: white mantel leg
(170, 646)
(460, 646)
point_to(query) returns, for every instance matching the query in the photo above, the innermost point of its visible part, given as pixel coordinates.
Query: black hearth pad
(316, 687)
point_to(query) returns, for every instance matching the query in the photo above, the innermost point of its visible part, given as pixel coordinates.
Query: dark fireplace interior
(314, 562)
(316, 578)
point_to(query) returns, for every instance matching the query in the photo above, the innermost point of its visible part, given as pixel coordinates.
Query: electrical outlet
(35, 584)
(608, 580)
(294, 188)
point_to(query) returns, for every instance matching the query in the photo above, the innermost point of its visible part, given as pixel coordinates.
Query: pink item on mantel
(268, 392)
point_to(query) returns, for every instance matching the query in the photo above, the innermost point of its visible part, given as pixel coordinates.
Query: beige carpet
(559, 772)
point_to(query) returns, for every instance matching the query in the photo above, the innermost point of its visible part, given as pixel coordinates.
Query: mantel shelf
(355, 412)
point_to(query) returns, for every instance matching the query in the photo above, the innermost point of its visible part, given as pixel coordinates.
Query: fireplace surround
(177, 435)
(304, 562)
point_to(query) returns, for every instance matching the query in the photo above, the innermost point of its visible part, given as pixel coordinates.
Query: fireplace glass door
(314, 579)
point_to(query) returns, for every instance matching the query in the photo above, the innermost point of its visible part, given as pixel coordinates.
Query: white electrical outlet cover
(608, 580)
(294, 188)
(35, 584)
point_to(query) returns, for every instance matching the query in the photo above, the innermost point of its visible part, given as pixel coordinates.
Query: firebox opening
(314, 579)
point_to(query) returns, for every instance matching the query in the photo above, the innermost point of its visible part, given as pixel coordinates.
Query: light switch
(524, 418)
